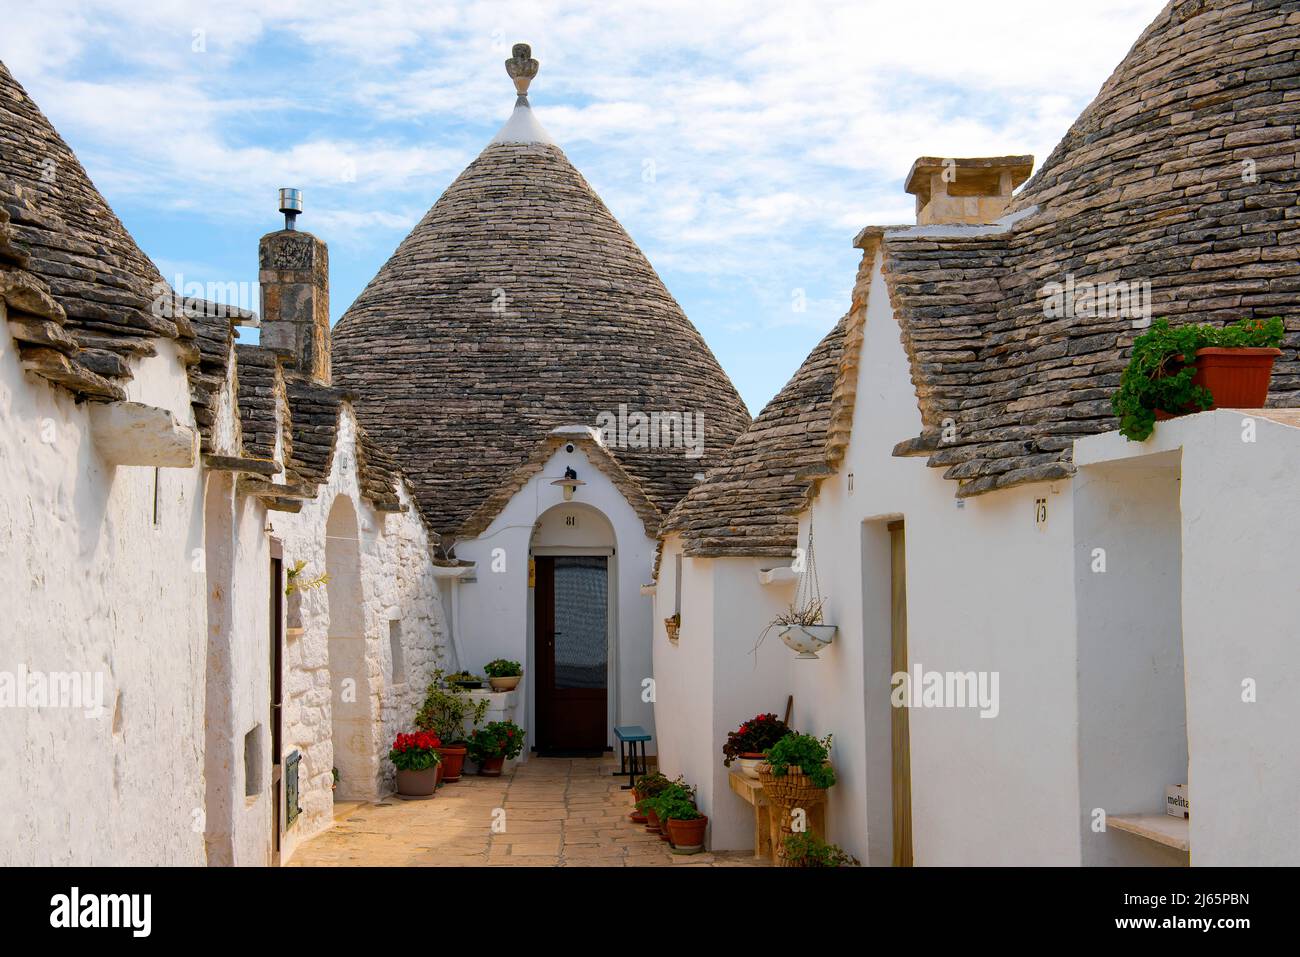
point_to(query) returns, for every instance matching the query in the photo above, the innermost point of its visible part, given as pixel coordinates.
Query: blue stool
(629, 736)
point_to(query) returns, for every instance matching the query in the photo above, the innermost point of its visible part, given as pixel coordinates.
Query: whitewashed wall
(714, 677)
(397, 584)
(92, 585)
(988, 590)
(1240, 601)
(495, 612)
(239, 824)
(684, 675)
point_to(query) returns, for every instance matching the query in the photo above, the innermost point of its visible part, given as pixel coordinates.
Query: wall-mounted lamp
(569, 483)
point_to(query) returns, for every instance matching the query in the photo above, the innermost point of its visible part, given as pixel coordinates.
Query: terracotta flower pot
(636, 816)
(453, 761)
(1236, 378)
(491, 767)
(651, 821)
(417, 783)
(505, 684)
(688, 836)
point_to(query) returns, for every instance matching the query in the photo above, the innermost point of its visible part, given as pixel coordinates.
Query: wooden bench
(767, 831)
(629, 736)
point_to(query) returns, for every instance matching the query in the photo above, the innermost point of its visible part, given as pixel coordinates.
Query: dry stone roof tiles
(750, 504)
(76, 244)
(1184, 172)
(516, 305)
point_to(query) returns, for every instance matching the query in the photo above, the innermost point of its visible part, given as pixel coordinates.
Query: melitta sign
(103, 910)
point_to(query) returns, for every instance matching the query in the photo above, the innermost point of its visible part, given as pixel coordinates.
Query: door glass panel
(581, 642)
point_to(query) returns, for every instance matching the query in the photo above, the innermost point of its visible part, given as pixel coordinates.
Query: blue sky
(742, 145)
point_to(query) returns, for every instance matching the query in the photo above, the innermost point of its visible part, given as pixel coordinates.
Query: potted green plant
(1178, 370)
(503, 674)
(444, 713)
(684, 823)
(648, 785)
(657, 787)
(416, 758)
(465, 680)
(667, 799)
(806, 849)
(495, 743)
(795, 776)
(747, 744)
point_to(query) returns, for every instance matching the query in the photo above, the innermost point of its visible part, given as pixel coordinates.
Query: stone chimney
(294, 277)
(972, 190)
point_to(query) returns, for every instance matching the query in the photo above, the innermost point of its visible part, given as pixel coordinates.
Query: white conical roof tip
(522, 127)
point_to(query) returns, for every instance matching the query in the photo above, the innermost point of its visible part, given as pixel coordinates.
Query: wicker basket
(791, 790)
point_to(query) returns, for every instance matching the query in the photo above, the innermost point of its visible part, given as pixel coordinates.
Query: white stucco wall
(989, 590)
(1132, 716)
(685, 695)
(495, 612)
(93, 585)
(239, 824)
(1240, 601)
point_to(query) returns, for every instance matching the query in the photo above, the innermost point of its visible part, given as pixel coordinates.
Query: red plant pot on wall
(1236, 378)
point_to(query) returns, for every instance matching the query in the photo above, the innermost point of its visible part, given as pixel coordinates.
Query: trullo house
(167, 696)
(550, 403)
(1118, 616)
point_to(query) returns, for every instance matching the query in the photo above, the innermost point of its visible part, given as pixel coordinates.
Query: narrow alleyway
(558, 812)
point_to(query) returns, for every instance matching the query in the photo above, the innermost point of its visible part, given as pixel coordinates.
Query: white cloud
(774, 131)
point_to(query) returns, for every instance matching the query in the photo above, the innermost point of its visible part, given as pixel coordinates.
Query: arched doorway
(351, 727)
(574, 618)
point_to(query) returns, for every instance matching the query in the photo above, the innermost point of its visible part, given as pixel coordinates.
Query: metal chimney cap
(290, 200)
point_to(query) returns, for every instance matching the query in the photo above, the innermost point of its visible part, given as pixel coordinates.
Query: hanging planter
(673, 625)
(807, 640)
(803, 627)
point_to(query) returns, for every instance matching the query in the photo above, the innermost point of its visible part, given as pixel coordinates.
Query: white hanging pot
(808, 639)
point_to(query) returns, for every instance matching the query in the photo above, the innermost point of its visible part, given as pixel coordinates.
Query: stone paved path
(559, 812)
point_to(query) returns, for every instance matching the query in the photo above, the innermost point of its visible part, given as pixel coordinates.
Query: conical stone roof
(516, 305)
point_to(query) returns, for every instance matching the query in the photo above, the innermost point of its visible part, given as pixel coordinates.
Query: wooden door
(901, 747)
(571, 633)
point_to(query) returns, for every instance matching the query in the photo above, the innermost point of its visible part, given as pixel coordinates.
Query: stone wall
(396, 585)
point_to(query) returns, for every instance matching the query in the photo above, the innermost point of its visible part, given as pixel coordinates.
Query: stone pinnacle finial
(522, 68)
